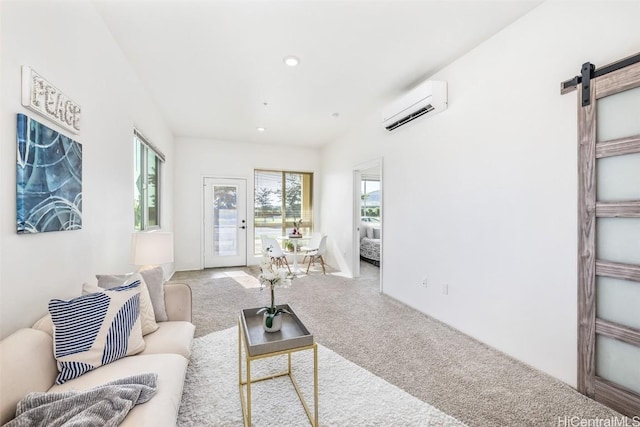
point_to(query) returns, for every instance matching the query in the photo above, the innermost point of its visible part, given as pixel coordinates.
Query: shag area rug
(348, 394)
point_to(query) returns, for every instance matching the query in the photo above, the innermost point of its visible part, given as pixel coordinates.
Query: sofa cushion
(44, 324)
(162, 409)
(26, 365)
(147, 315)
(171, 337)
(95, 329)
(177, 302)
(154, 279)
(177, 299)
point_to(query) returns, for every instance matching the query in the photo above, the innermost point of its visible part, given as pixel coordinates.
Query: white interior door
(225, 222)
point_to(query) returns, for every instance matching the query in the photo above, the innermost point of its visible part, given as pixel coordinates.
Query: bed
(370, 244)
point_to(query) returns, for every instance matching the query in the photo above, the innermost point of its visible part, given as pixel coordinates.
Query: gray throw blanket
(105, 405)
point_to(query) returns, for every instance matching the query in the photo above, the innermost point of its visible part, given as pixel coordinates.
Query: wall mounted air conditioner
(426, 99)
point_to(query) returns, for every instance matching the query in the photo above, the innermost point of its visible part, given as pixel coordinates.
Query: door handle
(243, 227)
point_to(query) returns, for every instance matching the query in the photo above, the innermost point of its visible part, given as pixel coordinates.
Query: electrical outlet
(424, 282)
(445, 289)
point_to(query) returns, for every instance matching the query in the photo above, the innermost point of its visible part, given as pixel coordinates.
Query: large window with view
(146, 193)
(280, 198)
(370, 200)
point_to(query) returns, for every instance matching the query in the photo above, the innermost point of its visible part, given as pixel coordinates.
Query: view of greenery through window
(280, 199)
(225, 220)
(146, 192)
(370, 201)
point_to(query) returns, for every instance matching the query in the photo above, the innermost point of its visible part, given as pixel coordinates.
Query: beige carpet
(347, 394)
(431, 361)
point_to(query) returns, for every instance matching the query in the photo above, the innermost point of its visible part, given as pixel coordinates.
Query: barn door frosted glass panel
(618, 115)
(609, 236)
(618, 240)
(618, 301)
(617, 361)
(619, 177)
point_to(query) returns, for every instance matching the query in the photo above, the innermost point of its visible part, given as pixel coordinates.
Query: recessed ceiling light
(291, 60)
(260, 129)
(335, 115)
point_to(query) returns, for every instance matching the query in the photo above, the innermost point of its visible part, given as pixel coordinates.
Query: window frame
(284, 223)
(364, 191)
(146, 149)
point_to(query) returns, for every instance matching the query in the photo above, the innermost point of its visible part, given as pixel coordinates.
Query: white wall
(68, 43)
(484, 195)
(197, 158)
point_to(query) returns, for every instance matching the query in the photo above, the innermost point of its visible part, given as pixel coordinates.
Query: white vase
(276, 324)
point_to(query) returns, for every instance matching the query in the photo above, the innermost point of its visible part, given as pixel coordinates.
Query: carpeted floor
(348, 395)
(433, 362)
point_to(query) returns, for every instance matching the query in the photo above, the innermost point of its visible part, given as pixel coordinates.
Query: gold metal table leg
(246, 405)
(239, 354)
(315, 383)
(248, 391)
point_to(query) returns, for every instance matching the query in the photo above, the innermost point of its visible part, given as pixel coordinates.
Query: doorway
(225, 225)
(368, 216)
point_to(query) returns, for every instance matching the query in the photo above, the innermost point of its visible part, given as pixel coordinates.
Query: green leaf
(269, 321)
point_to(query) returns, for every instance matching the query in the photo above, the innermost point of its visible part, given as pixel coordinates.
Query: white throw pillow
(369, 232)
(376, 233)
(95, 329)
(147, 315)
(153, 278)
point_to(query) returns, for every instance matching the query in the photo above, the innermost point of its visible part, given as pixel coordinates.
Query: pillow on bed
(95, 329)
(369, 233)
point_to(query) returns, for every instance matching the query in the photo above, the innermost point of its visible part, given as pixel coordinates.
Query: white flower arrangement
(272, 277)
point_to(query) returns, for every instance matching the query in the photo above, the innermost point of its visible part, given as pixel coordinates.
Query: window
(147, 184)
(370, 200)
(280, 198)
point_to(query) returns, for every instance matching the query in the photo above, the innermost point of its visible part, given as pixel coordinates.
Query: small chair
(318, 254)
(275, 251)
(313, 245)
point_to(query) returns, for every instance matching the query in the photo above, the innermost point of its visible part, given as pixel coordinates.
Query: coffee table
(258, 344)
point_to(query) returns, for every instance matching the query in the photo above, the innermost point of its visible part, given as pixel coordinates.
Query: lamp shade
(151, 248)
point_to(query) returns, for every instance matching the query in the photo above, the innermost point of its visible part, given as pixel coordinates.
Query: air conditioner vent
(412, 116)
(427, 99)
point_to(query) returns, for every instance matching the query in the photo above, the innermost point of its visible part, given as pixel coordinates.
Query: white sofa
(27, 364)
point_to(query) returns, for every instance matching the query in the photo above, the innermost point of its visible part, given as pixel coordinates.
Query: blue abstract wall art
(49, 179)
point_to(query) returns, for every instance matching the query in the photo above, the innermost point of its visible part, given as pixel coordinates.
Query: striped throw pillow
(147, 315)
(95, 329)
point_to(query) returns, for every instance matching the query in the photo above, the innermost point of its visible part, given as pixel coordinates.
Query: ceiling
(211, 66)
